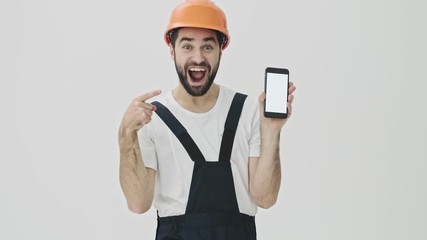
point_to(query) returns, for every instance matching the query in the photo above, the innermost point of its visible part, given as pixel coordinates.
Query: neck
(199, 104)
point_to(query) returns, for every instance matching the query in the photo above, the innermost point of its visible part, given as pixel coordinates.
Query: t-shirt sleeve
(148, 150)
(255, 140)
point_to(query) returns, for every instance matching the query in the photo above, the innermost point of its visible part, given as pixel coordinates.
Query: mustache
(193, 64)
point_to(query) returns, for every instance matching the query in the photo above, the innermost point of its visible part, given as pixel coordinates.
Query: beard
(198, 90)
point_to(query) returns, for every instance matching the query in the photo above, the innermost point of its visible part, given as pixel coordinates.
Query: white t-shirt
(162, 151)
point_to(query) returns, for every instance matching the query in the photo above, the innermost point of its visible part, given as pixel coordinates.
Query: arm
(136, 180)
(265, 170)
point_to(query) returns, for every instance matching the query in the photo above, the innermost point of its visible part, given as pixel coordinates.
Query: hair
(173, 35)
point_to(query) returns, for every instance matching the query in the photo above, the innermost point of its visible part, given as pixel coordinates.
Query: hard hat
(200, 14)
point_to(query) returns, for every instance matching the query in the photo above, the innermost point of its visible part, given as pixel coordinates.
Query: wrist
(270, 139)
(270, 133)
(127, 136)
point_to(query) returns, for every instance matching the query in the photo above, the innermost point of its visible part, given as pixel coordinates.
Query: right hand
(138, 113)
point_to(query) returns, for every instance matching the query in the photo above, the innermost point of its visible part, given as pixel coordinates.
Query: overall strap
(180, 132)
(231, 126)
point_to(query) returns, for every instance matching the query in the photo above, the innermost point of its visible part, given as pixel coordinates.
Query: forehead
(195, 33)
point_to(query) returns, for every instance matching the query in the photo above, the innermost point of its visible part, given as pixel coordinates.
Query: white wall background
(354, 153)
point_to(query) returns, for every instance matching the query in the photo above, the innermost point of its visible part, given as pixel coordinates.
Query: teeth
(197, 69)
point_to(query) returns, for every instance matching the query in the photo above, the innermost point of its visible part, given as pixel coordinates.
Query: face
(197, 55)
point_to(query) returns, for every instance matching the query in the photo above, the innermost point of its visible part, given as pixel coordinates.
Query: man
(204, 155)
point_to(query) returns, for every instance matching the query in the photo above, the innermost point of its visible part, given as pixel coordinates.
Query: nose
(198, 56)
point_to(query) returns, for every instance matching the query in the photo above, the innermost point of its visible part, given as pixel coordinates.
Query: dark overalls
(212, 211)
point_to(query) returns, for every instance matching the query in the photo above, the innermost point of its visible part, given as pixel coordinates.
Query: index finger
(291, 87)
(148, 95)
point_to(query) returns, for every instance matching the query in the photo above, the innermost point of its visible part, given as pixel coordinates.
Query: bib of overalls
(212, 211)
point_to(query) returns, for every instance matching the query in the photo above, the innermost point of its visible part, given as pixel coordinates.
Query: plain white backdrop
(353, 154)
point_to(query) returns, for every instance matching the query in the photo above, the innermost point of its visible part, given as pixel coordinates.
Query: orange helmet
(200, 14)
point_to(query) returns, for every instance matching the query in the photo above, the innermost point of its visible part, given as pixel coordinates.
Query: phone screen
(276, 89)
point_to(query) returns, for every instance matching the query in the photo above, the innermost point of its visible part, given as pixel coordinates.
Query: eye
(187, 47)
(208, 47)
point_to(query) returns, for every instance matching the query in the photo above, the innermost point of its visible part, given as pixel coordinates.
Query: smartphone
(276, 87)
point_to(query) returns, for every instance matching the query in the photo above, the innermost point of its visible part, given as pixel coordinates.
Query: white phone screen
(276, 93)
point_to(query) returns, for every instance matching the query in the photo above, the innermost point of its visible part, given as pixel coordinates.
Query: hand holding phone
(276, 87)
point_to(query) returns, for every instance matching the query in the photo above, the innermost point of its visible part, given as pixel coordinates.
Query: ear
(171, 50)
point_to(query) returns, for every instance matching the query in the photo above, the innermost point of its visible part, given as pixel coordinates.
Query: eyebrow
(207, 39)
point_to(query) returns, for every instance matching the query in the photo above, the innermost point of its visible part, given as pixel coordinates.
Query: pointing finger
(147, 96)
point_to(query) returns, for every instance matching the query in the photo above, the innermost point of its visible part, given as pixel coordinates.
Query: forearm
(135, 179)
(266, 180)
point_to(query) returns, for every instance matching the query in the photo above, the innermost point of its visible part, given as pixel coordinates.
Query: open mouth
(197, 74)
